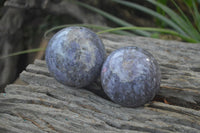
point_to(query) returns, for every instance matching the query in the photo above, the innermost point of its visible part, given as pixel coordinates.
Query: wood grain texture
(44, 105)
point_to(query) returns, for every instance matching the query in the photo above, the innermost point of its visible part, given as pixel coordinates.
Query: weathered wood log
(10, 23)
(44, 105)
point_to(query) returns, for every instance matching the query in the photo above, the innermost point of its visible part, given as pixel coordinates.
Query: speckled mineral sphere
(74, 56)
(130, 76)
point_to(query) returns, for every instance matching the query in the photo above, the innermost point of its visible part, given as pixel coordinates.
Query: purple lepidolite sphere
(74, 56)
(130, 76)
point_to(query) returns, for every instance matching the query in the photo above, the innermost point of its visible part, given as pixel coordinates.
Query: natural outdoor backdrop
(23, 24)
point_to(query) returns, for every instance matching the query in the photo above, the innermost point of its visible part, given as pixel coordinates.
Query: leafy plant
(181, 24)
(161, 30)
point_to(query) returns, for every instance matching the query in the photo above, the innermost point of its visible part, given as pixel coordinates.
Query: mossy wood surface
(44, 105)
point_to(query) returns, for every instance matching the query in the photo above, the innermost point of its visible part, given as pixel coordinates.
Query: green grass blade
(153, 13)
(195, 13)
(196, 16)
(160, 11)
(183, 14)
(98, 27)
(188, 3)
(192, 29)
(178, 20)
(161, 30)
(23, 52)
(111, 17)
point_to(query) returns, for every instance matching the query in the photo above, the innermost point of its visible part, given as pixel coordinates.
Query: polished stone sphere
(130, 76)
(74, 56)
